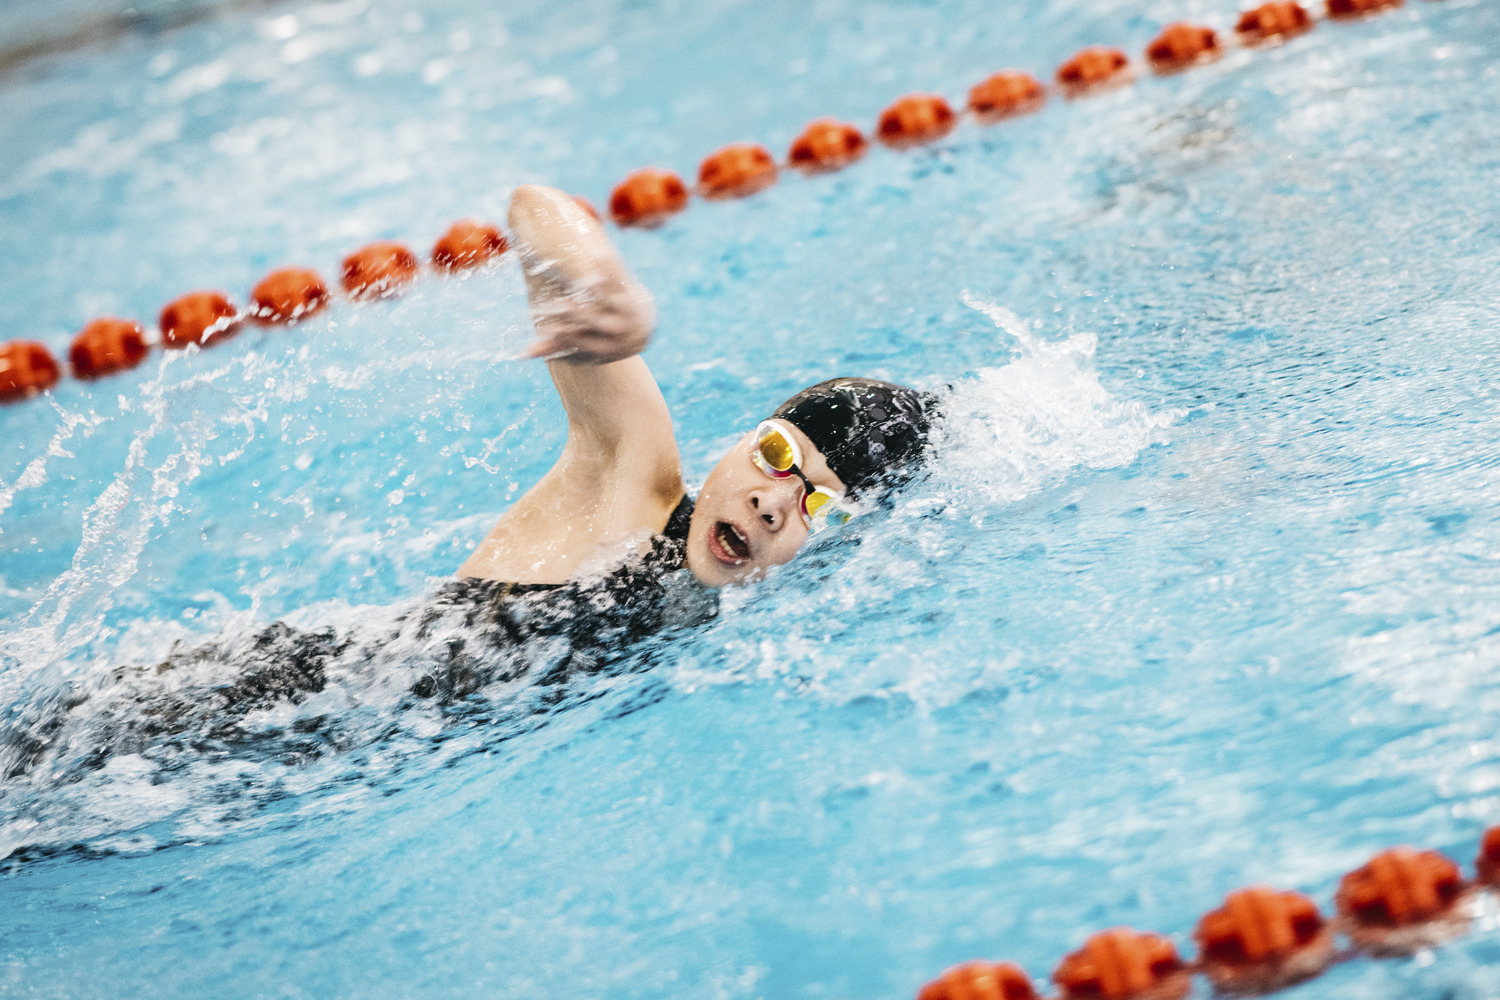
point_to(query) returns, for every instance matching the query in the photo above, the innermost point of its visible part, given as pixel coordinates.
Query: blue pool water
(1201, 590)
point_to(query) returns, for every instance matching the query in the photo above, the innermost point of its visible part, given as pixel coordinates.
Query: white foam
(1015, 429)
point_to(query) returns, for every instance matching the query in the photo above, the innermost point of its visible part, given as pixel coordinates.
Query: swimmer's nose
(771, 508)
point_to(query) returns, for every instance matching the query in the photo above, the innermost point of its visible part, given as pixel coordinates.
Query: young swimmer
(618, 483)
(571, 577)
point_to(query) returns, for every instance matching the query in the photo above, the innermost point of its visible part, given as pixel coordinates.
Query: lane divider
(1358, 8)
(1260, 940)
(288, 295)
(736, 171)
(1182, 46)
(1275, 21)
(195, 317)
(1007, 94)
(915, 120)
(1095, 70)
(646, 198)
(107, 345)
(470, 243)
(826, 145)
(378, 270)
(26, 369)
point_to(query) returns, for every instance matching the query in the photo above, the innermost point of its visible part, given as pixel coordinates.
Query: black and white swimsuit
(454, 651)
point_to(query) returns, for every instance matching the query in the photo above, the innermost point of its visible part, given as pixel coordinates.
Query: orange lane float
(1401, 901)
(588, 207)
(980, 981)
(1182, 45)
(379, 270)
(1260, 940)
(1006, 94)
(827, 145)
(736, 171)
(468, 243)
(1123, 964)
(26, 368)
(1277, 19)
(1489, 857)
(197, 318)
(647, 198)
(1096, 68)
(915, 120)
(1359, 8)
(107, 345)
(288, 295)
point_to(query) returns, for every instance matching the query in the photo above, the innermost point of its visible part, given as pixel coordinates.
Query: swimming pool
(1200, 592)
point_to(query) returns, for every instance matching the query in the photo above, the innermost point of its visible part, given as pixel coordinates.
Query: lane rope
(646, 198)
(1261, 940)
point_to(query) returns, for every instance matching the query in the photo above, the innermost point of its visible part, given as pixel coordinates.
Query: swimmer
(617, 489)
(606, 549)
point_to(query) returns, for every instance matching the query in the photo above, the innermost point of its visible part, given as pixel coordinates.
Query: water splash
(1017, 428)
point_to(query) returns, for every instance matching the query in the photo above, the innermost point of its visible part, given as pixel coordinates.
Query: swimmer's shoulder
(492, 567)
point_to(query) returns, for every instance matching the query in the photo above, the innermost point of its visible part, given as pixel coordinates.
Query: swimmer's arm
(593, 319)
(615, 484)
(619, 475)
(615, 409)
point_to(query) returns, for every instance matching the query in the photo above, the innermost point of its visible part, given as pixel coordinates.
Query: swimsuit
(469, 638)
(590, 622)
(583, 624)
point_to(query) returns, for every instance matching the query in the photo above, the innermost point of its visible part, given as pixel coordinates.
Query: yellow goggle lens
(823, 507)
(777, 450)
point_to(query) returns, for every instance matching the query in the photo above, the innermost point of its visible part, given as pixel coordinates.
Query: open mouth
(730, 543)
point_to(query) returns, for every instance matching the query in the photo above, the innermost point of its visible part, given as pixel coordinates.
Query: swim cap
(866, 429)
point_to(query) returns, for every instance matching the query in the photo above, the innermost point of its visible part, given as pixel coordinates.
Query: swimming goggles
(777, 455)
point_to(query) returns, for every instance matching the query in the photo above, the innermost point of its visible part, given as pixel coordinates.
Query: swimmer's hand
(585, 304)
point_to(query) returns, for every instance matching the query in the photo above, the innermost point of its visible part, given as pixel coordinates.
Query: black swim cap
(867, 430)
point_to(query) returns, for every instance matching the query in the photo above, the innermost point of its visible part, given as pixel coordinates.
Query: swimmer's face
(745, 522)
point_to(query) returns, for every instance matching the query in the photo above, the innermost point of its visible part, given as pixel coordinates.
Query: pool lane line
(1261, 940)
(650, 196)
